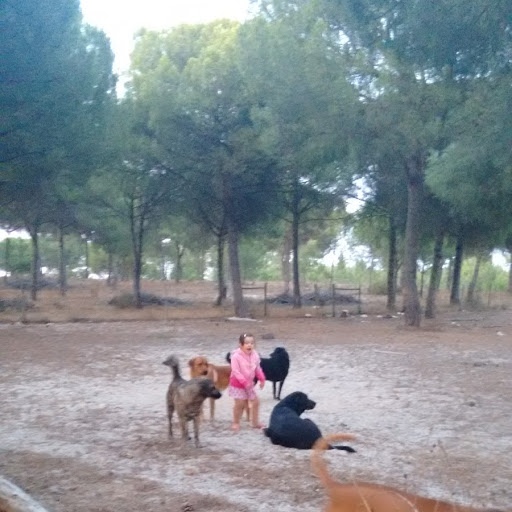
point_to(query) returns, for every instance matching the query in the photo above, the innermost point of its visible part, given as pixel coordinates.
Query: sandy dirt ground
(83, 426)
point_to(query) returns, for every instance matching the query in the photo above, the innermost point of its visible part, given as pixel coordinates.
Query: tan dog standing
(219, 374)
(369, 497)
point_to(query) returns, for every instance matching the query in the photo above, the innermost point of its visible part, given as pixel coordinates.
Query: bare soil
(83, 426)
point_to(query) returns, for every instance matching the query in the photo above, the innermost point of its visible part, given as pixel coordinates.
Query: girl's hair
(242, 337)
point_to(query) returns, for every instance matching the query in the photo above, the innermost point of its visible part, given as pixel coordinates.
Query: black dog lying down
(287, 428)
(274, 367)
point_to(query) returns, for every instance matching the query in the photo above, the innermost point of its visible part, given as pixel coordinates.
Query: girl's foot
(235, 427)
(258, 426)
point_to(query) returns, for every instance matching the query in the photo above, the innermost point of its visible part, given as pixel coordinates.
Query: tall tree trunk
(62, 265)
(137, 235)
(470, 297)
(508, 245)
(36, 262)
(457, 269)
(7, 259)
(510, 276)
(392, 266)
(435, 276)
(422, 279)
(86, 250)
(112, 273)
(163, 261)
(221, 279)
(449, 274)
(371, 271)
(241, 309)
(286, 271)
(297, 299)
(137, 273)
(178, 271)
(412, 307)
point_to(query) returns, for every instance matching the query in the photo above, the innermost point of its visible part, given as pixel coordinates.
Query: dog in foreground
(276, 369)
(186, 397)
(219, 374)
(369, 497)
(287, 428)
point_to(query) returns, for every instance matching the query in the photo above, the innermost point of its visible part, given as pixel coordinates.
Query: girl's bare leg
(254, 405)
(238, 410)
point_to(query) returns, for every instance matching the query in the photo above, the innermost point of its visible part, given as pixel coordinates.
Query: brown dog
(186, 397)
(219, 374)
(369, 497)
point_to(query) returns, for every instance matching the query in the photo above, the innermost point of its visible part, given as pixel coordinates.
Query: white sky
(120, 19)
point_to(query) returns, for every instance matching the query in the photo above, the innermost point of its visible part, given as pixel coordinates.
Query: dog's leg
(170, 425)
(278, 397)
(212, 409)
(170, 412)
(274, 390)
(184, 430)
(196, 431)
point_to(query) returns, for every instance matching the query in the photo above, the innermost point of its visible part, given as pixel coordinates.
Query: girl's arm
(259, 373)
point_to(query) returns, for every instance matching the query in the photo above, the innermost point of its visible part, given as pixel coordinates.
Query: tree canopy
(260, 131)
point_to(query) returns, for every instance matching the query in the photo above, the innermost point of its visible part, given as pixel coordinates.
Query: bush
(127, 300)
(18, 304)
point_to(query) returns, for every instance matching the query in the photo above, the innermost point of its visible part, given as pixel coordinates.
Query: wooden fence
(264, 288)
(338, 289)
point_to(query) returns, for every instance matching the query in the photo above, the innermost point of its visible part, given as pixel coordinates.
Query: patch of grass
(93, 301)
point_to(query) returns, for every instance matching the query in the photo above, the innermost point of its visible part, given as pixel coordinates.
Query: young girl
(245, 367)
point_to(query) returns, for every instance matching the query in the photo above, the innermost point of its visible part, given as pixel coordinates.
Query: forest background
(234, 148)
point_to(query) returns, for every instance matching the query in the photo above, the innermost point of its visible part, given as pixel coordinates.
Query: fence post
(359, 300)
(265, 299)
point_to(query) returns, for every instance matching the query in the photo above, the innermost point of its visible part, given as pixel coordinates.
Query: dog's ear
(191, 362)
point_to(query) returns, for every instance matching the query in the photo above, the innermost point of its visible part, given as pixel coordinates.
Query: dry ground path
(83, 426)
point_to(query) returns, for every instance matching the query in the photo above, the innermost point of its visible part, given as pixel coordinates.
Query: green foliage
(474, 173)
(198, 113)
(195, 266)
(57, 89)
(490, 277)
(257, 262)
(259, 124)
(19, 256)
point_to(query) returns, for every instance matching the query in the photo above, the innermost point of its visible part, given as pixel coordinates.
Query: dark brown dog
(186, 397)
(369, 497)
(219, 374)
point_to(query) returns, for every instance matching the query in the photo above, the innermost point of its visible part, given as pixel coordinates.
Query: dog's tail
(343, 447)
(317, 461)
(173, 363)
